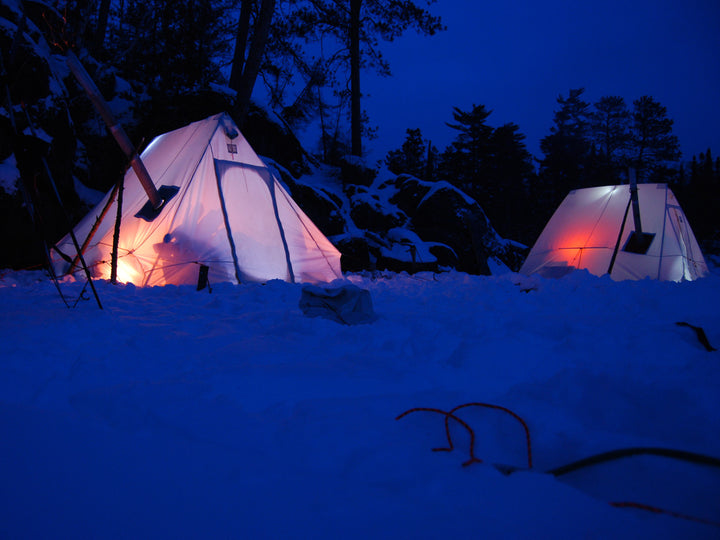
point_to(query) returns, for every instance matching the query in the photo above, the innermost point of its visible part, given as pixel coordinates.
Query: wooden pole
(92, 232)
(635, 202)
(116, 232)
(117, 131)
(49, 175)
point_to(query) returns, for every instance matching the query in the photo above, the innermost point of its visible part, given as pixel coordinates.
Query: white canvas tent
(591, 228)
(229, 213)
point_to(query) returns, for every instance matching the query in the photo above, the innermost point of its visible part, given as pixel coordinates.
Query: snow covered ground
(174, 413)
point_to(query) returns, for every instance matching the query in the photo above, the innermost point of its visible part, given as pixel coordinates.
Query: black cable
(612, 455)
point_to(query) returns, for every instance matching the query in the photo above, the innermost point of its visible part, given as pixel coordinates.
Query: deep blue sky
(516, 56)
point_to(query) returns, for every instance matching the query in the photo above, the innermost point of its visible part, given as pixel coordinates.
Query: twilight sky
(516, 56)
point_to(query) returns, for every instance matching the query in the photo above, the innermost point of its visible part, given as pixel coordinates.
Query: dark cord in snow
(702, 338)
(692, 457)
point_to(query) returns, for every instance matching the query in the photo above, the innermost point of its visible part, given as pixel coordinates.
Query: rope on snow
(574, 466)
(451, 415)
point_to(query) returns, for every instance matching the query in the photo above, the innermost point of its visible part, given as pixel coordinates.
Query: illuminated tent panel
(591, 228)
(229, 214)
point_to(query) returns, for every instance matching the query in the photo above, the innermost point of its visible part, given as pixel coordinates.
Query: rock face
(402, 223)
(35, 131)
(448, 216)
(355, 172)
(442, 214)
(369, 213)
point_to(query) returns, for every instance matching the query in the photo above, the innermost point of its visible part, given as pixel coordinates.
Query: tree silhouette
(567, 149)
(245, 68)
(414, 157)
(655, 148)
(358, 26)
(463, 161)
(493, 166)
(610, 122)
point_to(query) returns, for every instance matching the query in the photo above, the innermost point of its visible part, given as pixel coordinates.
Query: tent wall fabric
(591, 227)
(230, 214)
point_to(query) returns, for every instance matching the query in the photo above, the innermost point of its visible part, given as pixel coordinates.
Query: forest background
(173, 62)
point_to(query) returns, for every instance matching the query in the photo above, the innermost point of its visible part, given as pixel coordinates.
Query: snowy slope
(182, 414)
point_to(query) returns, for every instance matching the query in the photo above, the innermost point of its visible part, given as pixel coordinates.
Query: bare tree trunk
(241, 38)
(99, 37)
(251, 69)
(323, 127)
(355, 111)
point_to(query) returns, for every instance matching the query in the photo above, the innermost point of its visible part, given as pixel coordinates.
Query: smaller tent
(593, 229)
(228, 216)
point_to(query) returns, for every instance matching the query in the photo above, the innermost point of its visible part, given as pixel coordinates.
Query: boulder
(408, 192)
(320, 208)
(368, 212)
(448, 216)
(445, 255)
(404, 251)
(358, 253)
(354, 170)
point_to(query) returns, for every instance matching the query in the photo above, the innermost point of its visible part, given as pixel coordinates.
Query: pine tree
(610, 124)
(509, 178)
(655, 149)
(493, 166)
(567, 149)
(465, 158)
(412, 157)
(707, 169)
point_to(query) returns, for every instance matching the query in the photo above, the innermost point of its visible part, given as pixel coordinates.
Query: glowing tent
(594, 229)
(225, 211)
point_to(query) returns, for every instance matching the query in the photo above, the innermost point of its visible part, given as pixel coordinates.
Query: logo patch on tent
(232, 148)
